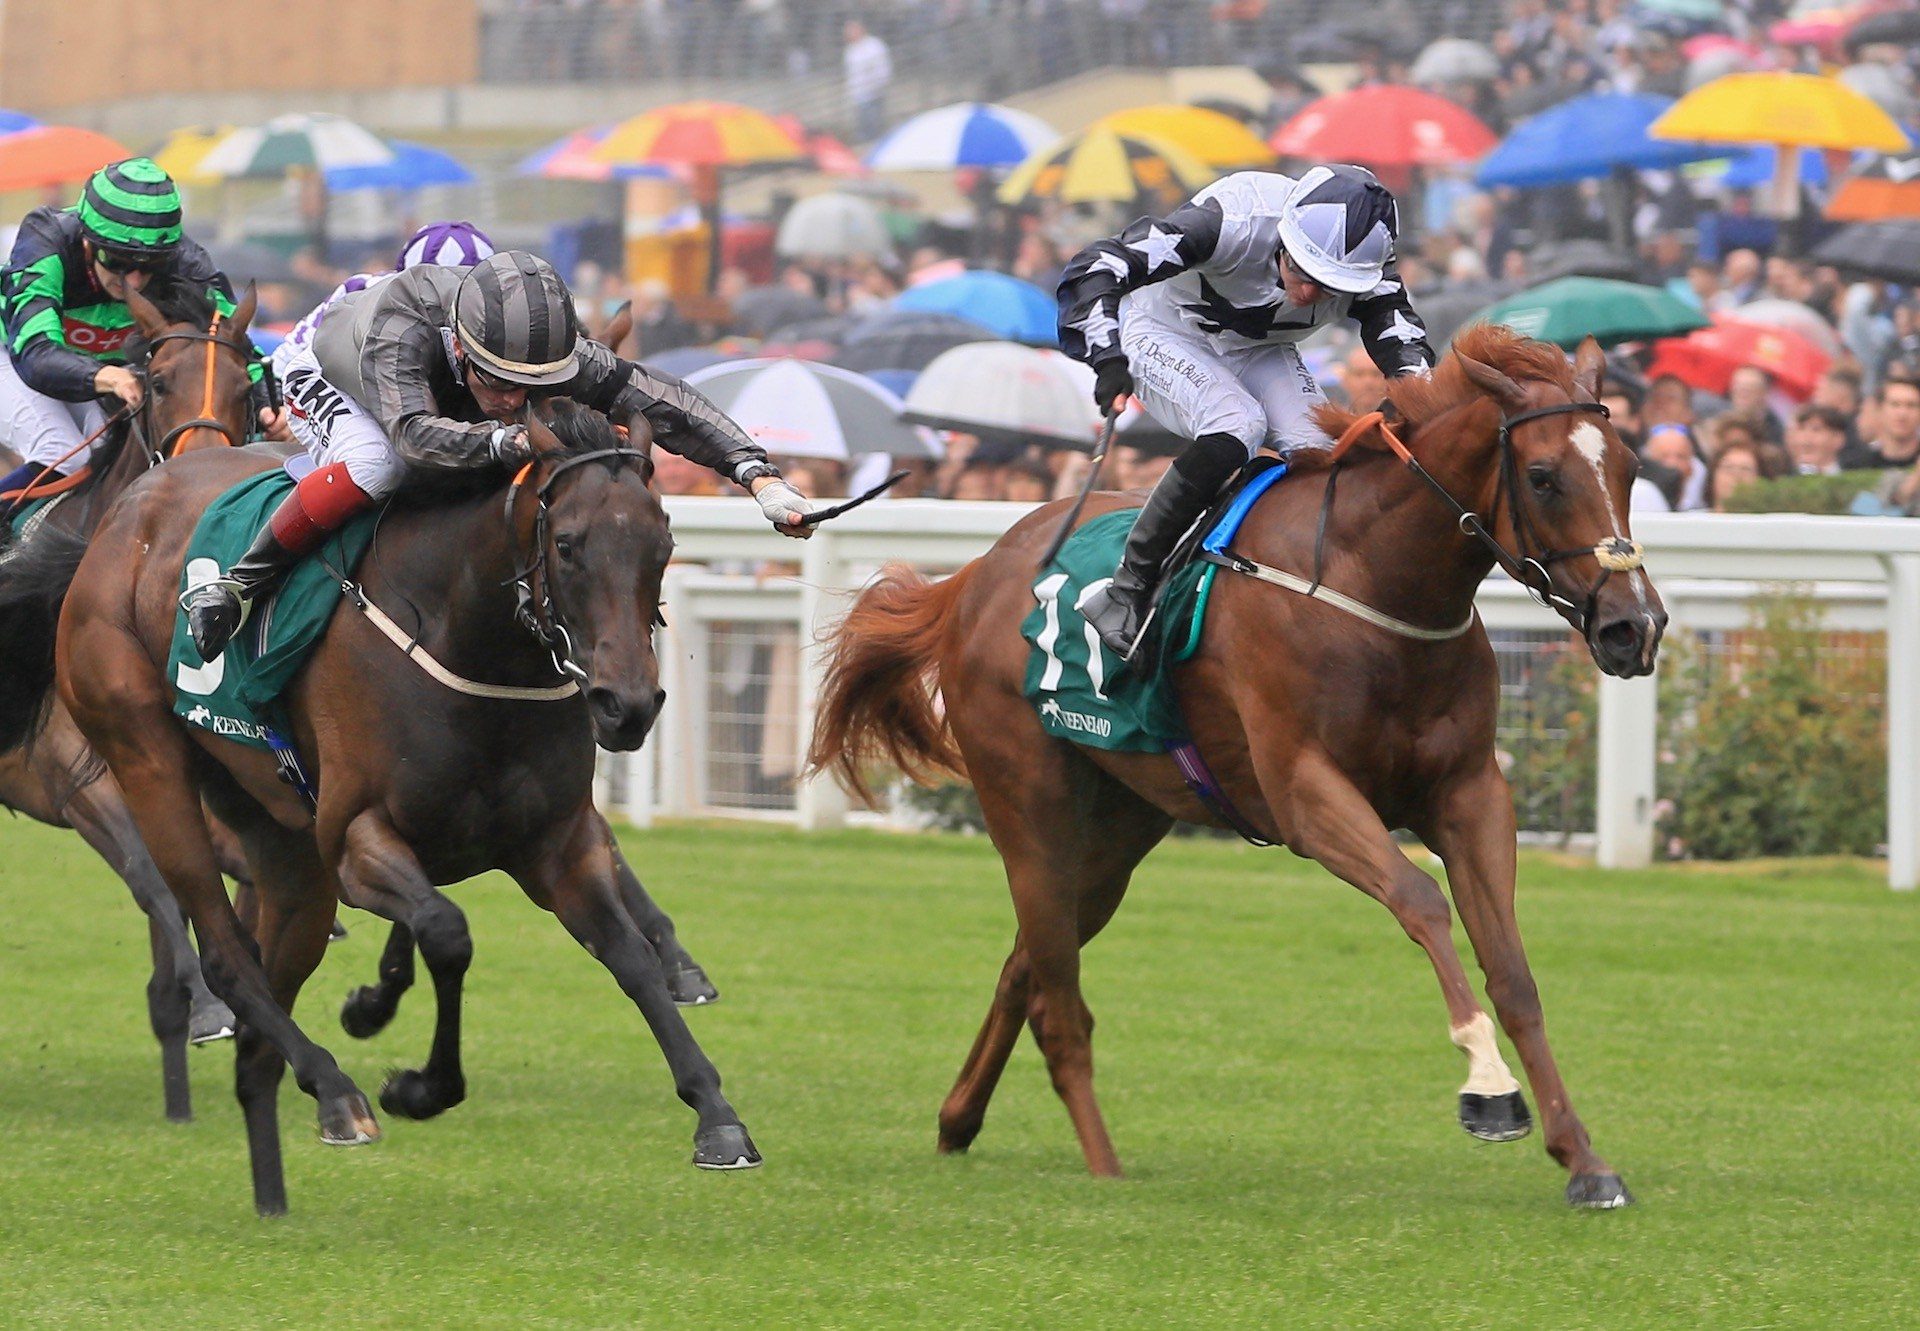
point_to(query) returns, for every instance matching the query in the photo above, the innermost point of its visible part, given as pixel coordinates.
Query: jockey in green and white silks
(1200, 314)
(63, 304)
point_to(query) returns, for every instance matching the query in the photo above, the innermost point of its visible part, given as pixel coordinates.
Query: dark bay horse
(1324, 729)
(197, 396)
(419, 783)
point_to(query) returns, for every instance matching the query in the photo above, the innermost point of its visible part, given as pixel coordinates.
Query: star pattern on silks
(1217, 314)
(1157, 247)
(1386, 288)
(1098, 326)
(1403, 329)
(1108, 262)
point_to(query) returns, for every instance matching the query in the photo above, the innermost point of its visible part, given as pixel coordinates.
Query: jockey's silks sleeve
(1389, 329)
(684, 420)
(1151, 250)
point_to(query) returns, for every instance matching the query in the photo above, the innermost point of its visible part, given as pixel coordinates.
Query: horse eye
(1540, 477)
(563, 547)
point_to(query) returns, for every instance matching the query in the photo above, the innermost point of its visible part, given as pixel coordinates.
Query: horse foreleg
(577, 881)
(1474, 836)
(369, 1008)
(379, 872)
(686, 981)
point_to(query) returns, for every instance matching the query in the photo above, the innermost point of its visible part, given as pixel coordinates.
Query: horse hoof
(724, 1147)
(409, 1094)
(348, 1120)
(1597, 1192)
(337, 932)
(364, 1015)
(214, 1021)
(689, 986)
(1495, 1118)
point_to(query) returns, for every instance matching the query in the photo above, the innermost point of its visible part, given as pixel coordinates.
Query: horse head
(597, 545)
(198, 387)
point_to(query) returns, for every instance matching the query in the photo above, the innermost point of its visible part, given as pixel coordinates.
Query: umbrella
(1791, 314)
(1697, 11)
(758, 311)
(1586, 138)
(1761, 163)
(1569, 309)
(1882, 86)
(683, 361)
(798, 409)
(1100, 165)
(1384, 125)
(307, 139)
(1887, 186)
(1454, 60)
(1822, 24)
(833, 226)
(569, 157)
(1004, 391)
(1899, 27)
(1451, 308)
(180, 156)
(1888, 250)
(1208, 136)
(897, 382)
(905, 340)
(1007, 306)
(706, 134)
(414, 166)
(54, 155)
(1802, 109)
(964, 134)
(833, 157)
(1581, 258)
(12, 122)
(1707, 358)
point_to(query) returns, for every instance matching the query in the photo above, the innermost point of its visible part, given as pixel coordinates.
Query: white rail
(1865, 571)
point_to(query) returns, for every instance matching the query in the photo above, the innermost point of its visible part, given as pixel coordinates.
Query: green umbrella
(1567, 310)
(1703, 11)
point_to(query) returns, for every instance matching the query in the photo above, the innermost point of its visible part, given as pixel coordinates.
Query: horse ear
(1494, 383)
(146, 315)
(617, 327)
(545, 442)
(243, 313)
(1589, 369)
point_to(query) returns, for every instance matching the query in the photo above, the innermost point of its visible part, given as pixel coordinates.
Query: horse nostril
(606, 705)
(1620, 639)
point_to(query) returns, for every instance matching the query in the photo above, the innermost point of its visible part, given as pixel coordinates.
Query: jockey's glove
(782, 503)
(1114, 380)
(510, 445)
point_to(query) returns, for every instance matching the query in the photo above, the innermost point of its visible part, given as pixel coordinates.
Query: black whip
(1093, 479)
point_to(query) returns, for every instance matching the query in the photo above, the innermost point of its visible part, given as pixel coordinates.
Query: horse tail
(34, 577)
(883, 670)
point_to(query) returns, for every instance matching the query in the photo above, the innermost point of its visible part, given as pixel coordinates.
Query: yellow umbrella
(1805, 110)
(1102, 165)
(180, 155)
(1209, 136)
(711, 134)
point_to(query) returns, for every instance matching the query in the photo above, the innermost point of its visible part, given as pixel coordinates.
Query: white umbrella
(1007, 390)
(1792, 316)
(802, 409)
(316, 140)
(833, 226)
(964, 134)
(1454, 60)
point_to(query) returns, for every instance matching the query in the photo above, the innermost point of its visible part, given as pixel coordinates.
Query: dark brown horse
(1326, 730)
(197, 396)
(420, 783)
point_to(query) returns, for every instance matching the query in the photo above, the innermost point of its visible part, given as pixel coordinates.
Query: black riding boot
(215, 610)
(15, 483)
(1119, 612)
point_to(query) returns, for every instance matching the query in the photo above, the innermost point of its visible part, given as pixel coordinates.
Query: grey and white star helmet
(1339, 227)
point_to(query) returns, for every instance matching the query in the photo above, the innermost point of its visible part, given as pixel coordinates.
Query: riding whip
(820, 515)
(1086, 488)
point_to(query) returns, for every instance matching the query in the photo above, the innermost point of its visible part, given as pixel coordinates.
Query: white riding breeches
(44, 429)
(335, 428)
(1263, 396)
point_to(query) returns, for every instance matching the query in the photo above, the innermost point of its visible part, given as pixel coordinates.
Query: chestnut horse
(196, 370)
(1325, 729)
(460, 747)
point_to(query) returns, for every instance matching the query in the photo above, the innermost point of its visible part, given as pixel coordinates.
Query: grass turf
(1272, 1057)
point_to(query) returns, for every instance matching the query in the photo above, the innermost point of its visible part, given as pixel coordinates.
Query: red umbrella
(54, 155)
(829, 154)
(1707, 359)
(1385, 125)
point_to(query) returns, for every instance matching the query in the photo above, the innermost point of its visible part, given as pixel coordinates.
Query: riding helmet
(515, 317)
(450, 244)
(1339, 226)
(131, 207)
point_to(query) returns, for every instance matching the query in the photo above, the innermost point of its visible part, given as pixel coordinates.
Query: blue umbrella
(1011, 308)
(965, 134)
(414, 166)
(1754, 166)
(897, 382)
(12, 122)
(1585, 138)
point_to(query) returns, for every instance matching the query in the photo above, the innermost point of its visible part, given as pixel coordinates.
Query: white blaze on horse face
(1487, 1072)
(1591, 443)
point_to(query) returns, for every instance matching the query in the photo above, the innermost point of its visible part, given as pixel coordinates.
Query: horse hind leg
(369, 1008)
(965, 1109)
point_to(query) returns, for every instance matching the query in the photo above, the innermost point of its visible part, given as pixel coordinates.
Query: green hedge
(1803, 494)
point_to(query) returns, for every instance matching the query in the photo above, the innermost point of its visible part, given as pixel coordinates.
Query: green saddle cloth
(234, 696)
(1078, 686)
(23, 520)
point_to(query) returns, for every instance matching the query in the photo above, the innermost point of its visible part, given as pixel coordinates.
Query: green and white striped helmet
(131, 206)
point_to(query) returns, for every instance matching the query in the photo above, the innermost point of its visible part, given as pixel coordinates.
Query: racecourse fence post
(673, 738)
(1624, 799)
(1903, 721)
(824, 582)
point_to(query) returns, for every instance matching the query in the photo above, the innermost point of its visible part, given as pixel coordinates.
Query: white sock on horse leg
(1487, 1072)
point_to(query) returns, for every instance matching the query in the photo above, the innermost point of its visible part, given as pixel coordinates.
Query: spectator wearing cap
(1898, 412)
(1816, 439)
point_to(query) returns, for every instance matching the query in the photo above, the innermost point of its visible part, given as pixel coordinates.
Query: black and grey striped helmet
(515, 317)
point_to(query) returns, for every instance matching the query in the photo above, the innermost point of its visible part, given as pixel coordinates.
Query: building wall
(60, 53)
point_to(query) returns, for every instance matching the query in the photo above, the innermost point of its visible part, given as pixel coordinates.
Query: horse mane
(579, 429)
(180, 301)
(1419, 400)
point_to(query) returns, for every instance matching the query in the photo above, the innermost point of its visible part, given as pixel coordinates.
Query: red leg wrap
(320, 503)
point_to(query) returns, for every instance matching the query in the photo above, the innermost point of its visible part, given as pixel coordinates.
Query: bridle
(1530, 565)
(535, 609)
(206, 420)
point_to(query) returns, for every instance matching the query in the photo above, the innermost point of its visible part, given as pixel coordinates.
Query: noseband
(535, 610)
(205, 420)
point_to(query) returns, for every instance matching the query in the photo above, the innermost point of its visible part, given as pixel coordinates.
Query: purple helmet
(454, 244)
